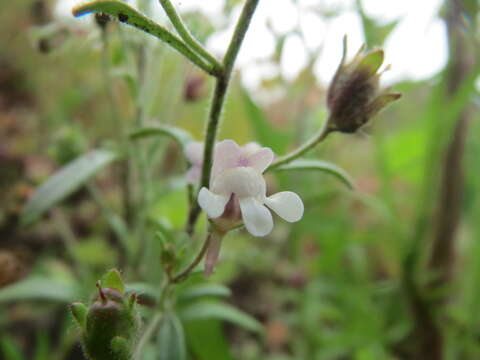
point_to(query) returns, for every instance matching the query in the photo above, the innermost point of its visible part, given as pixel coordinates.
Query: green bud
(109, 325)
(353, 96)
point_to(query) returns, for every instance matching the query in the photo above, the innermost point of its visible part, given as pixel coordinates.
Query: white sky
(416, 48)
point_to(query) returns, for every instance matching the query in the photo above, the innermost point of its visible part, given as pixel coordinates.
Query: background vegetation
(389, 270)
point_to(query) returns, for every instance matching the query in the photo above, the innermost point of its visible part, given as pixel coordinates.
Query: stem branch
(182, 275)
(309, 145)
(186, 36)
(221, 87)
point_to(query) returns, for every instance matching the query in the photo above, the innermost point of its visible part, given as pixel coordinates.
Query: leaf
(40, 288)
(266, 133)
(180, 136)
(320, 165)
(112, 279)
(204, 290)
(217, 310)
(64, 182)
(128, 15)
(171, 339)
(206, 340)
(143, 289)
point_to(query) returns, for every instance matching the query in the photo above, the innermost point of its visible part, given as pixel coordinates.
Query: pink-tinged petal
(250, 148)
(287, 205)
(226, 156)
(256, 217)
(261, 159)
(211, 203)
(194, 152)
(193, 175)
(213, 252)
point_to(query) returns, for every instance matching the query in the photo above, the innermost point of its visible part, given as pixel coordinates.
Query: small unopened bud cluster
(354, 96)
(109, 324)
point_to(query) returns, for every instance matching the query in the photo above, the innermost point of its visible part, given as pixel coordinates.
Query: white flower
(237, 172)
(194, 154)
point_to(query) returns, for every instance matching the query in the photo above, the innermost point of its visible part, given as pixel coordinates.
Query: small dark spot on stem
(122, 17)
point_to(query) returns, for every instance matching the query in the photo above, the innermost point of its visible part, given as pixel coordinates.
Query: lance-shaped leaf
(40, 288)
(171, 339)
(320, 165)
(66, 181)
(181, 137)
(217, 310)
(128, 15)
(204, 290)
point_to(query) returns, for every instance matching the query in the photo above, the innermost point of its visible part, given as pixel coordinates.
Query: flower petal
(260, 159)
(225, 157)
(250, 148)
(193, 175)
(257, 218)
(211, 203)
(287, 205)
(194, 152)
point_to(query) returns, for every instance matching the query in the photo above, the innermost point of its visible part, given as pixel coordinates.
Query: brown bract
(354, 96)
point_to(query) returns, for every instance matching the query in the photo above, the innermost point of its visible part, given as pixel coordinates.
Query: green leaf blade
(64, 182)
(171, 339)
(40, 288)
(204, 290)
(320, 165)
(180, 136)
(217, 310)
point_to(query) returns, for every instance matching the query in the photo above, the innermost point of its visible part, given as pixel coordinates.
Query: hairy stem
(128, 15)
(218, 100)
(309, 145)
(183, 275)
(147, 335)
(186, 36)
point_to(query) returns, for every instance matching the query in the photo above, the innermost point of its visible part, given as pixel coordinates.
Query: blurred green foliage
(332, 286)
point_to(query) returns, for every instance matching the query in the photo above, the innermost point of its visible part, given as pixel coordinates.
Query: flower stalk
(221, 86)
(186, 36)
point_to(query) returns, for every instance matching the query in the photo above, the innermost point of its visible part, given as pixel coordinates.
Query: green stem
(183, 275)
(309, 145)
(147, 335)
(141, 160)
(186, 36)
(128, 15)
(221, 87)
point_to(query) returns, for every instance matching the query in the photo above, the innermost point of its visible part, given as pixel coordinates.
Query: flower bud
(109, 325)
(354, 96)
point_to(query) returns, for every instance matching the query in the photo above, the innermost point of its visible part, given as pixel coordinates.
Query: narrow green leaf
(320, 165)
(42, 346)
(204, 290)
(40, 288)
(64, 182)
(143, 289)
(180, 136)
(217, 310)
(128, 15)
(171, 339)
(206, 340)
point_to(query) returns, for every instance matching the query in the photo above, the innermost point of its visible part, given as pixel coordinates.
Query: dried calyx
(354, 95)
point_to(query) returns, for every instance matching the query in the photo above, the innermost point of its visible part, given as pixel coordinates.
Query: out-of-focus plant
(225, 180)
